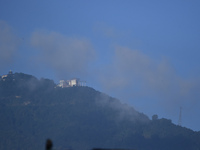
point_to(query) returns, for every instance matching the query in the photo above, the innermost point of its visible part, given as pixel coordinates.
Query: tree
(154, 117)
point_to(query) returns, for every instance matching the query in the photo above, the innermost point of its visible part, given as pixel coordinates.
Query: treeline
(33, 110)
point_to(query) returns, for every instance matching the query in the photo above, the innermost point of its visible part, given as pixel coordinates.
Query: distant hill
(79, 118)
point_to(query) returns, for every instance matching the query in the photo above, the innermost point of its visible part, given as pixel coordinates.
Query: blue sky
(145, 53)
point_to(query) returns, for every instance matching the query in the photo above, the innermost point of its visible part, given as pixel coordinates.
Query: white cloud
(8, 44)
(66, 55)
(102, 29)
(132, 73)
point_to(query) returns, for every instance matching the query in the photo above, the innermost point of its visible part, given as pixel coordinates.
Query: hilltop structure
(10, 74)
(71, 83)
(63, 83)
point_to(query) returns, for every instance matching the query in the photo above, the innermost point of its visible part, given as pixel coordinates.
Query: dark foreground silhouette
(49, 144)
(110, 149)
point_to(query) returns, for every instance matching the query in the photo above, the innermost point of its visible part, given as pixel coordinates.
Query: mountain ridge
(33, 110)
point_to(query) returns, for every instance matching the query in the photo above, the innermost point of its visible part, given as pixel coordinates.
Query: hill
(33, 110)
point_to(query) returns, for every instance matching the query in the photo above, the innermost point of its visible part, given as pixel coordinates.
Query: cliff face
(33, 110)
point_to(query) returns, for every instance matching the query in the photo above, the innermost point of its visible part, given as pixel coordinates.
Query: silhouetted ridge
(33, 110)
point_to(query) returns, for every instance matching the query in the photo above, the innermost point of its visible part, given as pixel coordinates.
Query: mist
(124, 111)
(9, 44)
(130, 75)
(135, 77)
(67, 56)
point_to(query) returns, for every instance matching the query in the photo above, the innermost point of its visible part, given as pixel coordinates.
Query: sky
(145, 53)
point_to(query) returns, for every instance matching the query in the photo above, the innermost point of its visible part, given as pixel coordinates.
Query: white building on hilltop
(71, 83)
(74, 82)
(62, 84)
(10, 73)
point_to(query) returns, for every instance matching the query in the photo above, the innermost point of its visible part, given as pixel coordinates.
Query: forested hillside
(79, 118)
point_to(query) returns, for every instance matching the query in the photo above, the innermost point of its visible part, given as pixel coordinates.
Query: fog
(9, 44)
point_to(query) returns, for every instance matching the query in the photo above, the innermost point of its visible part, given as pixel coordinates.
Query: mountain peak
(79, 117)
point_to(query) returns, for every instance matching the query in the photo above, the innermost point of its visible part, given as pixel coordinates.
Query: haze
(145, 53)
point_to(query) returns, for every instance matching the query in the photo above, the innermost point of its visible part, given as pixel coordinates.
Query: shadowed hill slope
(33, 110)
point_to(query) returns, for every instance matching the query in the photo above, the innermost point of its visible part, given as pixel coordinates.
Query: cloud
(123, 111)
(134, 75)
(128, 65)
(67, 56)
(9, 43)
(102, 29)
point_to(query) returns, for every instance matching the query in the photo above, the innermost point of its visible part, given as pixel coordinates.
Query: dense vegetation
(33, 110)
